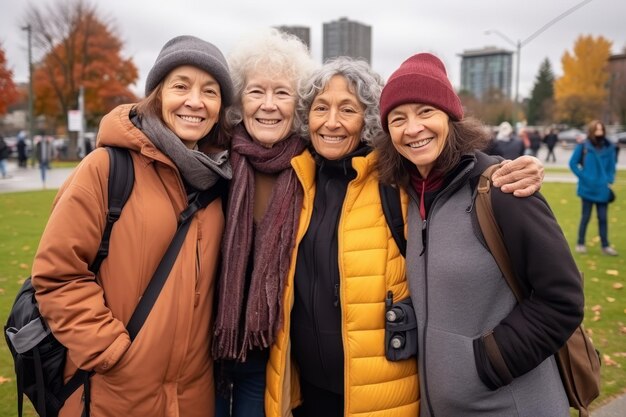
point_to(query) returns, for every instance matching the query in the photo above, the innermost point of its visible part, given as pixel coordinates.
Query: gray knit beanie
(189, 50)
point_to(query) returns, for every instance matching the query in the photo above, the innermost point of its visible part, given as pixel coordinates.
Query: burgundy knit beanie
(420, 79)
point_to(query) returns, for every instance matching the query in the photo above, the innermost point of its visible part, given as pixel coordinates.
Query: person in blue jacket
(593, 162)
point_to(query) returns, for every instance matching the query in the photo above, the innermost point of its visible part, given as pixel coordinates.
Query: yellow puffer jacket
(370, 264)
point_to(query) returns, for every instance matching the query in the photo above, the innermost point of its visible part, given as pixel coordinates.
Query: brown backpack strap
(492, 233)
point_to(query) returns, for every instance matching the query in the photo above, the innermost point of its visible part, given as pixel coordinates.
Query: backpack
(39, 357)
(578, 361)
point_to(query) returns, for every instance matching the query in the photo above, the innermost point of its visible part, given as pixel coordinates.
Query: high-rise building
(485, 70)
(345, 37)
(302, 32)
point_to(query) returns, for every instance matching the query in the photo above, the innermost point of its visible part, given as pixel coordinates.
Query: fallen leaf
(620, 354)
(2, 291)
(594, 279)
(597, 307)
(618, 286)
(4, 380)
(606, 360)
(614, 272)
(596, 318)
(24, 266)
(610, 299)
(25, 247)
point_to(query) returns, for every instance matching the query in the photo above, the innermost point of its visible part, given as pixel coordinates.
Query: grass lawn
(23, 217)
(605, 297)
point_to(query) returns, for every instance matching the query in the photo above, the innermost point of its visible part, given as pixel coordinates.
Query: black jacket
(316, 336)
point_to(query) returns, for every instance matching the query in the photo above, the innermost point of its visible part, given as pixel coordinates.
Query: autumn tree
(493, 108)
(541, 100)
(8, 90)
(78, 48)
(581, 92)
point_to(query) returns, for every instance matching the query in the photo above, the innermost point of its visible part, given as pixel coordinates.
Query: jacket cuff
(110, 357)
(490, 365)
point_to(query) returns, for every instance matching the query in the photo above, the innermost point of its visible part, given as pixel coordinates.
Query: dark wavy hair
(464, 137)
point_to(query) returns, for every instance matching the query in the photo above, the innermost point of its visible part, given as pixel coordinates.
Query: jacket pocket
(454, 387)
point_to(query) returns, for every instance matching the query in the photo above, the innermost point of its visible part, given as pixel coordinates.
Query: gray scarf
(199, 170)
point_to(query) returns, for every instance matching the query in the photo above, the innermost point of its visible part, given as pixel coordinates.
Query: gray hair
(275, 54)
(367, 87)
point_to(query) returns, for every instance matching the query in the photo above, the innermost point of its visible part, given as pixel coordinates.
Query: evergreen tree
(542, 96)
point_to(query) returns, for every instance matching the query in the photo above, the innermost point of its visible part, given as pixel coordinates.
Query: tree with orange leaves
(581, 92)
(78, 48)
(8, 90)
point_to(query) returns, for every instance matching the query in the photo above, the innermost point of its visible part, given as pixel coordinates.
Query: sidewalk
(29, 179)
(615, 408)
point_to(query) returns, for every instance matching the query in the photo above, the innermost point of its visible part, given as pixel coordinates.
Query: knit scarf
(424, 185)
(273, 246)
(199, 170)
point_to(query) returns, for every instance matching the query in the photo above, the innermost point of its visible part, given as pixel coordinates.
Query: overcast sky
(399, 28)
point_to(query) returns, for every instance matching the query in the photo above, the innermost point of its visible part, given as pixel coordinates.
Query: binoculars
(400, 329)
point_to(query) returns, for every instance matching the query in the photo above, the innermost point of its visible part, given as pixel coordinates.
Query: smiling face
(419, 133)
(599, 130)
(190, 103)
(269, 107)
(336, 120)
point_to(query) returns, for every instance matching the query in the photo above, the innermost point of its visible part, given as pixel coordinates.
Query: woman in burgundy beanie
(473, 337)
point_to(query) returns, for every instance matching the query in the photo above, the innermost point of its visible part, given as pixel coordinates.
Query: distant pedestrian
(22, 156)
(44, 155)
(88, 147)
(506, 144)
(4, 155)
(593, 162)
(525, 137)
(535, 141)
(550, 140)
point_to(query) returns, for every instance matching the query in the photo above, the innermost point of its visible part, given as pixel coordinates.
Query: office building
(302, 32)
(485, 70)
(345, 37)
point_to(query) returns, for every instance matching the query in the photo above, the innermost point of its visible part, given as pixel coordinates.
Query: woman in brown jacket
(167, 369)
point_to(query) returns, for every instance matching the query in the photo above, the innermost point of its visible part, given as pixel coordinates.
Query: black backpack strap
(197, 201)
(392, 208)
(121, 181)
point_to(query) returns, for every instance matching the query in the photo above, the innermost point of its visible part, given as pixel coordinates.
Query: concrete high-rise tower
(487, 69)
(345, 37)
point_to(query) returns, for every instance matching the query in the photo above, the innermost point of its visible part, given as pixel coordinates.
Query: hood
(116, 129)
(504, 131)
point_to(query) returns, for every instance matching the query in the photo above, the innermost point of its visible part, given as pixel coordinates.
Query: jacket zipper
(453, 186)
(425, 376)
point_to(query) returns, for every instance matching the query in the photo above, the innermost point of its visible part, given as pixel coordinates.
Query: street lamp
(31, 119)
(520, 43)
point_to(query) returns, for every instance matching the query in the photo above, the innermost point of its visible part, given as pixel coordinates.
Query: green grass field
(23, 217)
